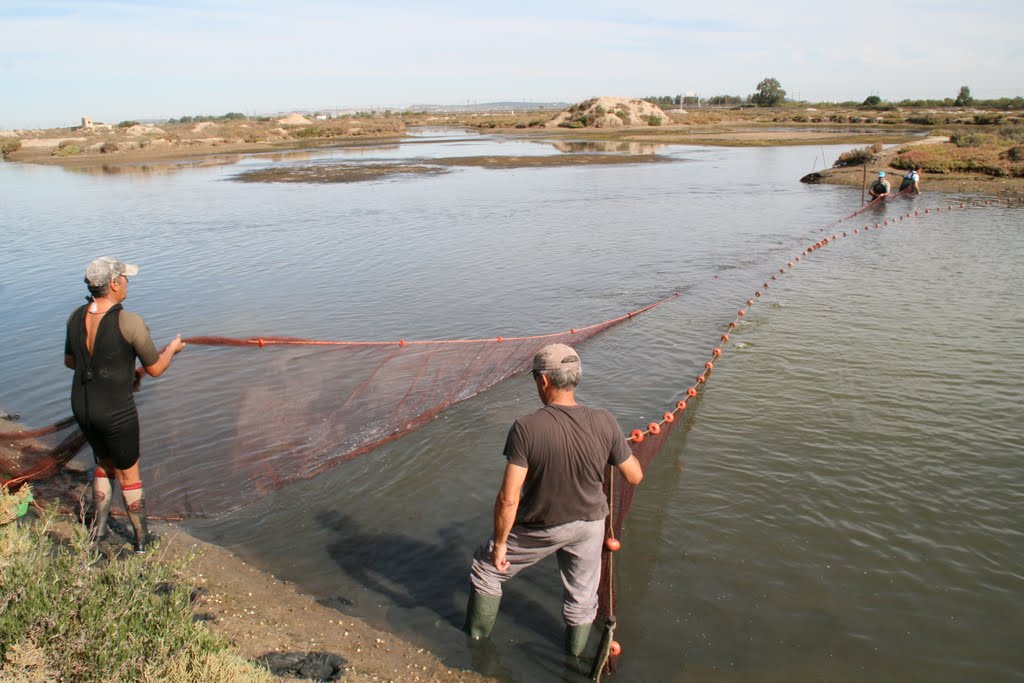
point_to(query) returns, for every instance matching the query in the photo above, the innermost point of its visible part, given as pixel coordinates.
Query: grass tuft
(74, 615)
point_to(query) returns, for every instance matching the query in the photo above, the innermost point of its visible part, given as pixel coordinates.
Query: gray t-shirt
(566, 450)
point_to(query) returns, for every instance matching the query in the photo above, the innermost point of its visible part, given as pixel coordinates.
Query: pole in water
(604, 649)
(864, 184)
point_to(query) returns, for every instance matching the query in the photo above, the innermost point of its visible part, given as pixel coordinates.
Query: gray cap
(555, 357)
(106, 269)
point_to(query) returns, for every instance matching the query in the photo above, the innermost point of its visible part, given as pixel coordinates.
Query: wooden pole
(864, 184)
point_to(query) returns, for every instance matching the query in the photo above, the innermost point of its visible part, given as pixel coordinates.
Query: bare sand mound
(295, 120)
(609, 112)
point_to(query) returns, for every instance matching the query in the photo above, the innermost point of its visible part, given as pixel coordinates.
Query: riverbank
(260, 613)
(248, 611)
(887, 160)
(173, 147)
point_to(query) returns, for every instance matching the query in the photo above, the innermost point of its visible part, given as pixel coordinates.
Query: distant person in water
(551, 500)
(881, 187)
(101, 346)
(912, 181)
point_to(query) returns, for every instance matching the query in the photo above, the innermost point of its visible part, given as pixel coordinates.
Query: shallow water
(842, 504)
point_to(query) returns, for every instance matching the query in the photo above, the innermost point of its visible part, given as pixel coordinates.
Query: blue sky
(116, 60)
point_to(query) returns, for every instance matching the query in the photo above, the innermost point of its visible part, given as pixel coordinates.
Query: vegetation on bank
(769, 93)
(69, 613)
(998, 153)
(8, 146)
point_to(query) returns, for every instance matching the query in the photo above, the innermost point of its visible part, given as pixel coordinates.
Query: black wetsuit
(101, 393)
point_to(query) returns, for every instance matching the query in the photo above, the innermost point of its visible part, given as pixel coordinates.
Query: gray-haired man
(101, 345)
(551, 499)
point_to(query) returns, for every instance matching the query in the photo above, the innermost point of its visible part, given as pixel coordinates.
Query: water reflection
(605, 146)
(154, 168)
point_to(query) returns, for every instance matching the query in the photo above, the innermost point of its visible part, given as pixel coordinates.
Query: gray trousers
(578, 548)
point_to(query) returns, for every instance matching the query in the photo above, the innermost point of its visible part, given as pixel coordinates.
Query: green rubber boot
(481, 614)
(576, 639)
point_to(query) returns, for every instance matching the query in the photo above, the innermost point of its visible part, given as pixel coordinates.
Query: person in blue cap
(881, 187)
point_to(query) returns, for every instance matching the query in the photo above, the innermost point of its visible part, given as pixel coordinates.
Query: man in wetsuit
(103, 340)
(881, 187)
(552, 500)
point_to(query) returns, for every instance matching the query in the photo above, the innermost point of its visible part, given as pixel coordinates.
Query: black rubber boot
(576, 639)
(481, 614)
(137, 515)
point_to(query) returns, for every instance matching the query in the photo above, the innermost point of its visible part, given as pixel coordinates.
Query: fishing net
(39, 455)
(243, 417)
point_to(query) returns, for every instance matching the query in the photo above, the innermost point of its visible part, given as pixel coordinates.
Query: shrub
(67, 148)
(108, 147)
(9, 146)
(924, 119)
(952, 159)
(623, 114)
(988, 119)
(1013, 154)
(309, 132)
(1012, 132)
(966, 139)
(858, 157)
(653, 120)
(127, 124)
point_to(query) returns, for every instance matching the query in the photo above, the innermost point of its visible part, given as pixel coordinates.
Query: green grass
(70, 614)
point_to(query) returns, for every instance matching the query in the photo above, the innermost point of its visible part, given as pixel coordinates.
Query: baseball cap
(554, 357)
(881, 174)
(105, 269)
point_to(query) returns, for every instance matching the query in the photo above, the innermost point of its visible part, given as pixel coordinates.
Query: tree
(964, 99)
(872, 100)
(769, 93)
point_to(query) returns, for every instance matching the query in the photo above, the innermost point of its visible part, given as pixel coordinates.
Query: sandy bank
(262, 614)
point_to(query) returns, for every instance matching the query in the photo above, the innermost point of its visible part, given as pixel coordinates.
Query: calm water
(843, 504)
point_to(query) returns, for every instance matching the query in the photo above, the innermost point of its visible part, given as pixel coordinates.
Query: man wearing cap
(881, 187)
(103, 340)
(551, 499)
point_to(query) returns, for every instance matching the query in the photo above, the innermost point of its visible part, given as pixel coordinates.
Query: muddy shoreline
(260, 613)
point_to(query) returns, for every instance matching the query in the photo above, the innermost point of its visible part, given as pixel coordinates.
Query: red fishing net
(215, 437)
